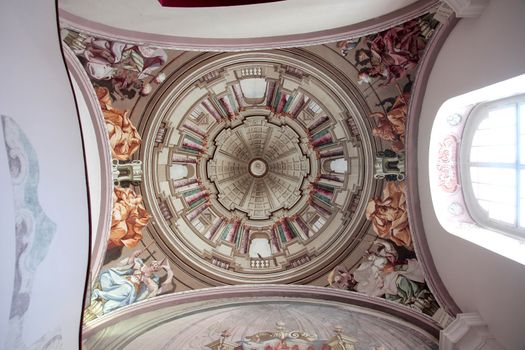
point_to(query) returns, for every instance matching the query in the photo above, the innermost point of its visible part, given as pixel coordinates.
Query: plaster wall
(478, 52)
(249, 21)
(35, 93)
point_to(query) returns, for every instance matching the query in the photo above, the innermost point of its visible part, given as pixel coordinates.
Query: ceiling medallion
(258, 167)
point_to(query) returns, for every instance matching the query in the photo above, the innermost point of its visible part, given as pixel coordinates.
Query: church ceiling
(281, 166)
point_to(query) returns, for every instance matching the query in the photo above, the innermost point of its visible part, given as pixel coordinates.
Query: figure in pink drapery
(124, 138)
(391, 53)
(389, 215)
(128, 218)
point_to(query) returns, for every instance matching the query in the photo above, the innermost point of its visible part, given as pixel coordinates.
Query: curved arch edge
(404, 313)
(100, 232)
(260, 43)
(435, 284)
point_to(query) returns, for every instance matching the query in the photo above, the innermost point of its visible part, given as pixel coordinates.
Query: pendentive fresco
(282, 166)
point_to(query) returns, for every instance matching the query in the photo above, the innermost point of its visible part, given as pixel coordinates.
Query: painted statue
(391, 125)
(389, 215)
(128, 218)
(131, 281)
(124, 138)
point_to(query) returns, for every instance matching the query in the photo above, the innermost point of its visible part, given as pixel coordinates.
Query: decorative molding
(468, 331)
(413, 201)
(407, 314)
(467, 8)
(371, 26)
(99, 244)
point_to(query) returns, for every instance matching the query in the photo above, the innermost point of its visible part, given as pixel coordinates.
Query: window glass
(477, 167)
(496, 164)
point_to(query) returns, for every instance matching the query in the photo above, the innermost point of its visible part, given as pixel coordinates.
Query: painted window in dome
(253, 87)
(260, 247)
(318, 224)
(339, 165)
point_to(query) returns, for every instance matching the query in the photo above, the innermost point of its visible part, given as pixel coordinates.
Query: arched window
(493, 164)
(477, 167)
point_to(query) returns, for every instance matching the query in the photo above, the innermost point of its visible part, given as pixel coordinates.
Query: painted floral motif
(123, 136)
(389, 215)
(446, 164)
(128, 218)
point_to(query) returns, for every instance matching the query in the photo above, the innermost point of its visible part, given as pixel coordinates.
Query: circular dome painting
(261, 165)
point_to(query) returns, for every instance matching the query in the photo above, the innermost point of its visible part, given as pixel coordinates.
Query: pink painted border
(416, 318)
(413, 200)
(104, 150)
(374, 25)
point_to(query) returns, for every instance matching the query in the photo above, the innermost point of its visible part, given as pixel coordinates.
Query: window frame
(476, 116)
(445, 174)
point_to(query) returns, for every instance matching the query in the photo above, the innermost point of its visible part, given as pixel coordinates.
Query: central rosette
(258, 168)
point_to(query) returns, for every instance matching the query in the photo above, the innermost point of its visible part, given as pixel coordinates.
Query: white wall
(477, 53)
(36, 94)
(92, 160)
(251, 21)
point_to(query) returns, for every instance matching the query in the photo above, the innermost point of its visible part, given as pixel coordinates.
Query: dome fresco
(257, 167)
(283, 166)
